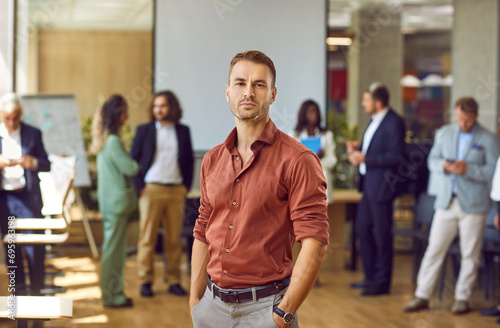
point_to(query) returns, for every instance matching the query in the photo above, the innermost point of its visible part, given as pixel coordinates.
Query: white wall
(195, 42)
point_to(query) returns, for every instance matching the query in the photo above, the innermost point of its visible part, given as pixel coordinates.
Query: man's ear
(273, 95)
(227, 93)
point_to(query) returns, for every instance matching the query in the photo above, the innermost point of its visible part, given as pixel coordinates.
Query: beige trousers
(445, 226)
(165, 205)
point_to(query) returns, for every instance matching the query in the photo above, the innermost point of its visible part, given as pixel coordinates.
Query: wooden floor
(332, 304)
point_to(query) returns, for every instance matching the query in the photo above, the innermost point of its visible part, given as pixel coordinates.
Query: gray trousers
(211, 312)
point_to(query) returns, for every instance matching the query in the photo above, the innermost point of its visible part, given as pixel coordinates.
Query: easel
(86, 225)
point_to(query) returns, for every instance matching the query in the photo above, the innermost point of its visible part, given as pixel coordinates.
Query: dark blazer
(383, 180)
(144, 149)
(31, 144)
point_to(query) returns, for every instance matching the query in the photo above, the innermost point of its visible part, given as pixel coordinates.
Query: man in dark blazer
(378, 157)
(165, 155)
(22, 156)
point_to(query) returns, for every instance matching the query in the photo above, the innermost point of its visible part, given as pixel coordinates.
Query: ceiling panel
(417, 15)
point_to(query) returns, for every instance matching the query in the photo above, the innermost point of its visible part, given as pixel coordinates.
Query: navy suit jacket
(383, 181)
(32, 145)
(144, 149)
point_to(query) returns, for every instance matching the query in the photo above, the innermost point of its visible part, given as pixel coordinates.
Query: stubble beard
(240, 114)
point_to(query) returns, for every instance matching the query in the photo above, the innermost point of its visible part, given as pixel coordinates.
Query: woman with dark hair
(310, 132)
(116, 196)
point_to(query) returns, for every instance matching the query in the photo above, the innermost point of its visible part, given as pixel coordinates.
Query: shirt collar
(5, 134)
(380, 115)
(268, 135)
(470, 132)
(159, 126)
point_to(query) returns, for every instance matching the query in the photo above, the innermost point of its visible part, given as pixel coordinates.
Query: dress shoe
(494, 311)
(177, 289)
(375, 290)
(417, 304)
(146, 290)
(128, 303)
(460, 307)
(360, 284)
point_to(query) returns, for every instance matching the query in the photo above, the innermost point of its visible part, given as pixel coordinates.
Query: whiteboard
(57, 117)
(194, 42)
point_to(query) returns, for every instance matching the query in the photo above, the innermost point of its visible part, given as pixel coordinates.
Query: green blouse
(115, 190)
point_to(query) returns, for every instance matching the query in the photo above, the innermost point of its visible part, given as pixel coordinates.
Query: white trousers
(445, 225)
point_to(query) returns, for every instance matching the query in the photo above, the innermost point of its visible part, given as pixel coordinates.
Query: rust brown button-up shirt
(250, 217)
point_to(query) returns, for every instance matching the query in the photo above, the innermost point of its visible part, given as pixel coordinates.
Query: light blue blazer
(473, 188)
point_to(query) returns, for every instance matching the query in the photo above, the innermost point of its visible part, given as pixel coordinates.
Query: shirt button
(237, 158)
(227, 250)
(237, 180)
(234, 203)
(225, 271)
(230, 226)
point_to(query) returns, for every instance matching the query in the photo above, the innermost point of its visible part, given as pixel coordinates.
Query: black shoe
(176, 289)
(21, 290)
(494, 311)
(128, 303)
(375, 290)
(146, 290)
(360, 284)
(498, 320)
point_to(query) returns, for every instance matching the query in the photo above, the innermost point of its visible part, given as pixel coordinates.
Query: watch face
(288, 317)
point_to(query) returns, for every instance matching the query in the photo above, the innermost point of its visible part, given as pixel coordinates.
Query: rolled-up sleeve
(307, 199)
(205, 207)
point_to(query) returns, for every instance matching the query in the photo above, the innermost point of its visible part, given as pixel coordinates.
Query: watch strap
(279, 312)
(284, 315)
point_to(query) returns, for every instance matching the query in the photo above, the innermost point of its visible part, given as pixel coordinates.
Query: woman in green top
(116, 196)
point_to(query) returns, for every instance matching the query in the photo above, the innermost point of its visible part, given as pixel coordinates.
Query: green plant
(344, 174)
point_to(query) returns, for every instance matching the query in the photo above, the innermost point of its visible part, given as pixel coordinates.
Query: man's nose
(249, 91)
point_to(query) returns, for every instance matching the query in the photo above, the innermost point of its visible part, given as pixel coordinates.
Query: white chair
(57, 196)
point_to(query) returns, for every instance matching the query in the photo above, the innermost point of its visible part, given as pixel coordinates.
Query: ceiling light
(433, 80)
(410, 81)
(338, 41)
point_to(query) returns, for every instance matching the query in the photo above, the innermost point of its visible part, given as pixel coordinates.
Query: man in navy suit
(378, 157)
(22, 156)
(163, 150)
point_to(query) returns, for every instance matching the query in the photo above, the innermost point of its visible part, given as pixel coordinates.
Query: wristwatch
(288, 317)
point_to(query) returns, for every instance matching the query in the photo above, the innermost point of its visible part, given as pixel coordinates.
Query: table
(35, 308)
(348, 200)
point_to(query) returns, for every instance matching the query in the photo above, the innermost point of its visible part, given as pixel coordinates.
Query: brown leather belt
(16, 190)
(231, 296)
(166, 184)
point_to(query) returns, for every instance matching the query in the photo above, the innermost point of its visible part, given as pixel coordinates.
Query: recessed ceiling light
(338, 41)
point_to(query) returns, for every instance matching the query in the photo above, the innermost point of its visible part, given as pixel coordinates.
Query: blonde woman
(116, 196)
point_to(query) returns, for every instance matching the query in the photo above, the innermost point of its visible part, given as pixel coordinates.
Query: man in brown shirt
(261, 191)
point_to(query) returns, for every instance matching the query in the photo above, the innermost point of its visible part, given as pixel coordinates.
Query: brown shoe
(460, 307)
(417, 304)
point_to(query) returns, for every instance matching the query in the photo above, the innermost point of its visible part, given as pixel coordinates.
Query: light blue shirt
(464, 140)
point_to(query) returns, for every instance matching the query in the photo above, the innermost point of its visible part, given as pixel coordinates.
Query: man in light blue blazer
(462, 161)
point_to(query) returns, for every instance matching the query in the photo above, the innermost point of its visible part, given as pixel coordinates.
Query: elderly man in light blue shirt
(462, 161)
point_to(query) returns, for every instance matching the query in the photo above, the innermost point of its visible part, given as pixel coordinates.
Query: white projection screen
(195, 41)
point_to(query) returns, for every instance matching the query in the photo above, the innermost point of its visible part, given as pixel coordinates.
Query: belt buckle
(228, 295)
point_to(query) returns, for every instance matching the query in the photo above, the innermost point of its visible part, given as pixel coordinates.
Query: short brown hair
(254, 56)
(379, 92)
(467, 104)
(175, 110)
